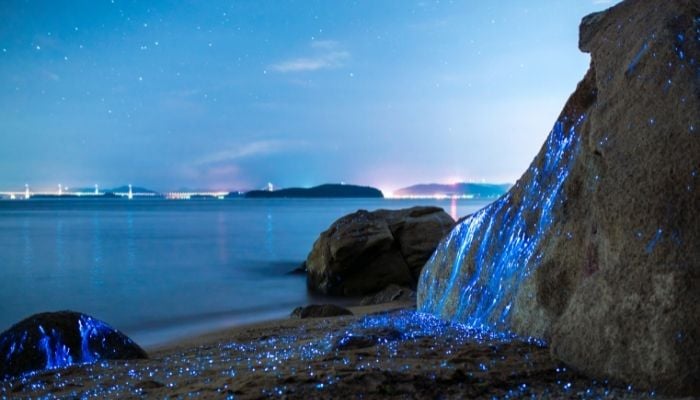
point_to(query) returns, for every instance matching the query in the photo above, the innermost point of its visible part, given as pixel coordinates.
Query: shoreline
(382, 351)
(225, 333)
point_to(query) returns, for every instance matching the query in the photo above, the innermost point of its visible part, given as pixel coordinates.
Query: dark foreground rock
(320, 311)
(364, 252)
(596, 247)
(57, 339)
(390, 294)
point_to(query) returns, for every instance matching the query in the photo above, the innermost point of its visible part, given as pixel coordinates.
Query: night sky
(235, 94)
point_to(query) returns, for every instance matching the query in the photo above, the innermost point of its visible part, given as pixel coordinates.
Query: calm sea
(161, 269)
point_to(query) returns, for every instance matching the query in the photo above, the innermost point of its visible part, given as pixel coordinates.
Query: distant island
(322, 191)
(468, 190)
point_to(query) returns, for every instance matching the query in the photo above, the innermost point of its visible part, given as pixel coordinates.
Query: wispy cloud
(247, 150)
(328, 54)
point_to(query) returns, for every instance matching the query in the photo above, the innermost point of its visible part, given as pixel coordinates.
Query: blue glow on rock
(637, 58)
(55, 340)
(57, 354)
(654, 241)
(90, 328)
(491, 252)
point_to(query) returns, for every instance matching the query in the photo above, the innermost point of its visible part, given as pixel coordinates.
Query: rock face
(363, 252)
(57, 339)
(596, 247)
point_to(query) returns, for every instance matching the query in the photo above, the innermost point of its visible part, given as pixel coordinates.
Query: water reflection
(222, 237)
(130, 242)
(60, 246)
(269, 237)
(28, 249)
(453, 208)
(96, 272)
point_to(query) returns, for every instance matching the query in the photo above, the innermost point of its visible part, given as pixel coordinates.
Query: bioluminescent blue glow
(397, 336)
(57, 353)
(475, 273)
(58, 347)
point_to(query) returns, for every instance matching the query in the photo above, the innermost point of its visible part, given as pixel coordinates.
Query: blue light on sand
(480, 289)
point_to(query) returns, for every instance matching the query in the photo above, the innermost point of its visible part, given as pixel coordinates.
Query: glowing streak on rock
(491, 252)
(57, 353)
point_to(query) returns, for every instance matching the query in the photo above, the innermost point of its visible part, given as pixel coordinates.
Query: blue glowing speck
(654, 241)
(637, 58)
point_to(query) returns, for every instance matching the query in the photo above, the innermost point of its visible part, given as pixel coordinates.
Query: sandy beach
(382, 351)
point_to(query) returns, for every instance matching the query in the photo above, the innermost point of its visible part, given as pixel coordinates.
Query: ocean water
(160, 270)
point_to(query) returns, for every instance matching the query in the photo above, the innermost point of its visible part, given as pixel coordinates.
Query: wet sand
(383, 351)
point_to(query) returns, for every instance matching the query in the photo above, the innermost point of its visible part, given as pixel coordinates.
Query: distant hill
(322, 191)
(476, 190)
(235, 195)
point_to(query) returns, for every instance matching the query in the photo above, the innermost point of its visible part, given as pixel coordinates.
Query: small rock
(58, 339)
(320, 311)
(351, 341)
(390, 294)
(300, 270)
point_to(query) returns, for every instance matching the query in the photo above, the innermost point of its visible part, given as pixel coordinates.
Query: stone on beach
(320, 311)
(57, 339)
(363, 252)
(596, 247)
(390, 294)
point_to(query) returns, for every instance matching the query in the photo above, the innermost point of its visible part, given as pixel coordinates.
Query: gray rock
(596, 247)
(58, 339)
(390, 294)
(320, 311)
(353, 341)
(365, 251)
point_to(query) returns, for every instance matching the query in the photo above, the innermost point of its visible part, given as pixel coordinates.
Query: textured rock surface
(596, 247)
(57, 339)
(363, 252)
(389, 294)
(320, 311)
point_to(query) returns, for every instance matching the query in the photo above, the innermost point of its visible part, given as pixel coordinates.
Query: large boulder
(596, 247)
(363, 252)
(58, 339)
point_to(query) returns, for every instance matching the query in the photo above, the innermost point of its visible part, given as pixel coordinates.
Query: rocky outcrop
(58, 339)
(363, 252)
(596, 247)
(320, 311)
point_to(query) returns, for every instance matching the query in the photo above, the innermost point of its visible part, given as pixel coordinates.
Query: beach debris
(58, 339)
(320, 311)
